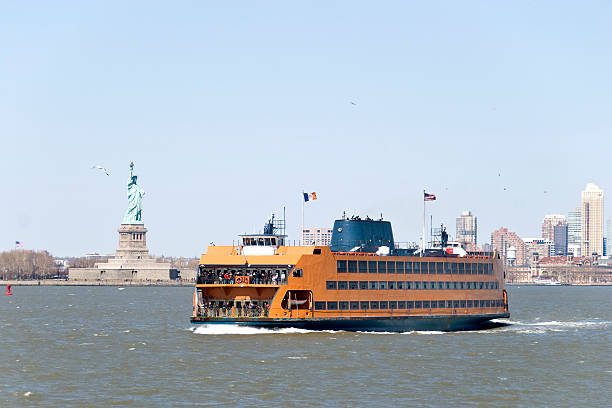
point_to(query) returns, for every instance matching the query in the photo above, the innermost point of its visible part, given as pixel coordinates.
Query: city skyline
(482, 105)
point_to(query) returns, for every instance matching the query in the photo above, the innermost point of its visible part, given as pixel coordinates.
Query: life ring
(238, 279)
(246, 280)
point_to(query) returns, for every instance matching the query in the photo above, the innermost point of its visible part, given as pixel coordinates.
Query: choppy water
(91, 347)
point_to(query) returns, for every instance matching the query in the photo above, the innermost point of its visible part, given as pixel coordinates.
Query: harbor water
(102, 346)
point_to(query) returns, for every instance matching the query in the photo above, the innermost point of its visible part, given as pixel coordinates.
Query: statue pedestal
(132, 242)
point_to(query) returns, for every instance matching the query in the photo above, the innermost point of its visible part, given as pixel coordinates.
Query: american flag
(429, 197)
(18, 244)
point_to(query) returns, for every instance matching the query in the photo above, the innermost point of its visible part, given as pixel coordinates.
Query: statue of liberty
(133, 214)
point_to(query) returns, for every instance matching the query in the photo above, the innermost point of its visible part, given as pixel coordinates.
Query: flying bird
(353, 103)
(101, 168)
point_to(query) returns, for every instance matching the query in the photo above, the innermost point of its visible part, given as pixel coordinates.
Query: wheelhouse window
(371, 266)
(329, 285)
(363, 285)
(341, 266)
(363, 266)
(332, 305)
(352, 266)
(342, 285)
(382, 267)
(319, 305)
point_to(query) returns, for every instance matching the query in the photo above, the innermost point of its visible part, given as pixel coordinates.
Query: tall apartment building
(502, 240)
(592, 220)
(560, 239)
(548, 225)
(467, 228)
(608, 236)
(317, 236)
(574, 231)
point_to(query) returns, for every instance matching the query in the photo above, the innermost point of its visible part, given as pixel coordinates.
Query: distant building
(560, 239)
(317, 236)
(548, 225)
(502, 240)
(486, 247)
(467, 228)
(608, 246)
(536, 249)
(592, 220)
(574, 231)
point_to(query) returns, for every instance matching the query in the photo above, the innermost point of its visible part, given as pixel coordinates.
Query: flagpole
(302, 230)
(423, 236)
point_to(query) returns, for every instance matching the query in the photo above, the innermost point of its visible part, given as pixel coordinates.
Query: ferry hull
(376, 324)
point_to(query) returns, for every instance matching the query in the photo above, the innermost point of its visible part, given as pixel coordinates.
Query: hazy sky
(231, 109)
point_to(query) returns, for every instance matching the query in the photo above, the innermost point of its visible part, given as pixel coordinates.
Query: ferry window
(424, 267)
(432, 285)
(447, 285)
(455, 285)
(390, 267)
(401, 304)
(455, 303)
(416, 285)
(354, 305)
(486, 285)
(332, 305)
(393, 305)
(364, 305)
(392, 285)
(400, 285)
(363, 285)
(382, 267)
(374, 305)
(331, 285)
(410, 304)
(461, 285)
(372, 266)
(342, 285)
(382, 285)
(461, 267)
(463, 303)
(469, 303)
(399, 267)
(468, 268)
(454, 267)
(352, 266)
(341, 266)
(409, 285)
(487, 303)
(416, 267)
(373, 285)
(273, 241)
(363, 267)
(316, 251)
(425, 285)
(426, 304)
(468, 285)
(440, 285)
(496, 285)
(383, 305)
(267, 241)
(353, 285)
(260, 241)
(319, 305)
(439, 267)
(481, 285)
(408, 267)
(447, 268)
(482, 303)
(344, 305)
(418, 304)
(479, 269)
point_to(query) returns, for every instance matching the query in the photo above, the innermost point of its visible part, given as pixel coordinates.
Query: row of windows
(462, 268)
(409, 304)
(382, 285)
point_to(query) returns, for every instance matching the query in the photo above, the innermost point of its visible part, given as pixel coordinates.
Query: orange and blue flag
(310, 196)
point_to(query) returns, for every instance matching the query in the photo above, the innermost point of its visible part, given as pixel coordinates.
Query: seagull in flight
(101, 168)
(353, 103)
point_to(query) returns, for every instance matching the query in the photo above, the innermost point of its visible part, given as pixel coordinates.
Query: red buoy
(8, 290)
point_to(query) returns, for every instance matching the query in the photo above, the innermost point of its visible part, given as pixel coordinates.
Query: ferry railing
(233, 312)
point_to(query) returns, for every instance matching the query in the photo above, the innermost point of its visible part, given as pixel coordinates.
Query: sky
(231, 109)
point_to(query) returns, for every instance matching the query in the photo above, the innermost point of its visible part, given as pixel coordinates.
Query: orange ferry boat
(360, 282)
